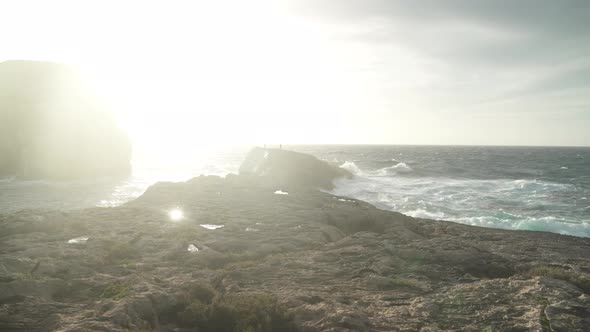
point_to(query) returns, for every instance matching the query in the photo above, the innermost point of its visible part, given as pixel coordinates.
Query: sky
(460, 72)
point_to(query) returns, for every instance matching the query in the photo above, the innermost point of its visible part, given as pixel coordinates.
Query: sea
(525, 188)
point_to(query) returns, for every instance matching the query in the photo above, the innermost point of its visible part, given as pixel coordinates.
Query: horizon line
(412, 144)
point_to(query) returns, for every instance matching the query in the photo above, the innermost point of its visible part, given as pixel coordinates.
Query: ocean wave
(399, 168)
(351, 167)
(389, 161)
(421, 213)
(546, 224)
(526, 204)
(536, 185)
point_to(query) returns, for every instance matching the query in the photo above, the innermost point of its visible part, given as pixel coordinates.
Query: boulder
(290, 168)
(54, 126)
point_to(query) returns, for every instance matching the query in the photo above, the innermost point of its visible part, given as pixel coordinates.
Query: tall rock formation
(289, 168)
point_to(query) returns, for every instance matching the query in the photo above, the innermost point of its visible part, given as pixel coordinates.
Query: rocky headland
(267, 251)
(54, 125)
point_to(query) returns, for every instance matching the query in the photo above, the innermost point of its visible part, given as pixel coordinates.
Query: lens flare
(175, 214)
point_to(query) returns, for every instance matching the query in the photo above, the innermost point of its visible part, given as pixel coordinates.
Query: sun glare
(176, 214)
(209, 83)
(206, 76)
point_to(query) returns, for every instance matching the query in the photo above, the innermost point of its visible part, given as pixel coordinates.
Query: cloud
(553, 17)
(510, 43)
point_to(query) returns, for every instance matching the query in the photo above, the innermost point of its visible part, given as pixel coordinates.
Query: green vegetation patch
(200, 292)
(121, 252)
(24, 276)
(545, 324)
(116, 290)
(253, 312)
(541, 300)
(554, 272)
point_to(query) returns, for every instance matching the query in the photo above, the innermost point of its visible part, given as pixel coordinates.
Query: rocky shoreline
(289, 257)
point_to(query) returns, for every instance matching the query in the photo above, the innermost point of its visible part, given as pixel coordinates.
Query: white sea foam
(546, 224)
(535, 185)
(399, 168)
(495, 203)
(351, 167)
(402, 168)
(280, 192)
(421, 213)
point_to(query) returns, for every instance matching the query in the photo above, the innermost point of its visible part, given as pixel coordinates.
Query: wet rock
(288, 168)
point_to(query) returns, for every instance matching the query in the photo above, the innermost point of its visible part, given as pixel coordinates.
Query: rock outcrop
(52, 125)
(288, 168)
(298, 260)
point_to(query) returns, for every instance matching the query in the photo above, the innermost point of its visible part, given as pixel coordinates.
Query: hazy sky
(314, 71)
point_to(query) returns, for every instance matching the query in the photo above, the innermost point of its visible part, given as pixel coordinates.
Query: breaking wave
(525, 204)
(399, 168)
(351, 167)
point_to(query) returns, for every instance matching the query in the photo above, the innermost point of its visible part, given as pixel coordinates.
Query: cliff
(238, 253)
(53, 126)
